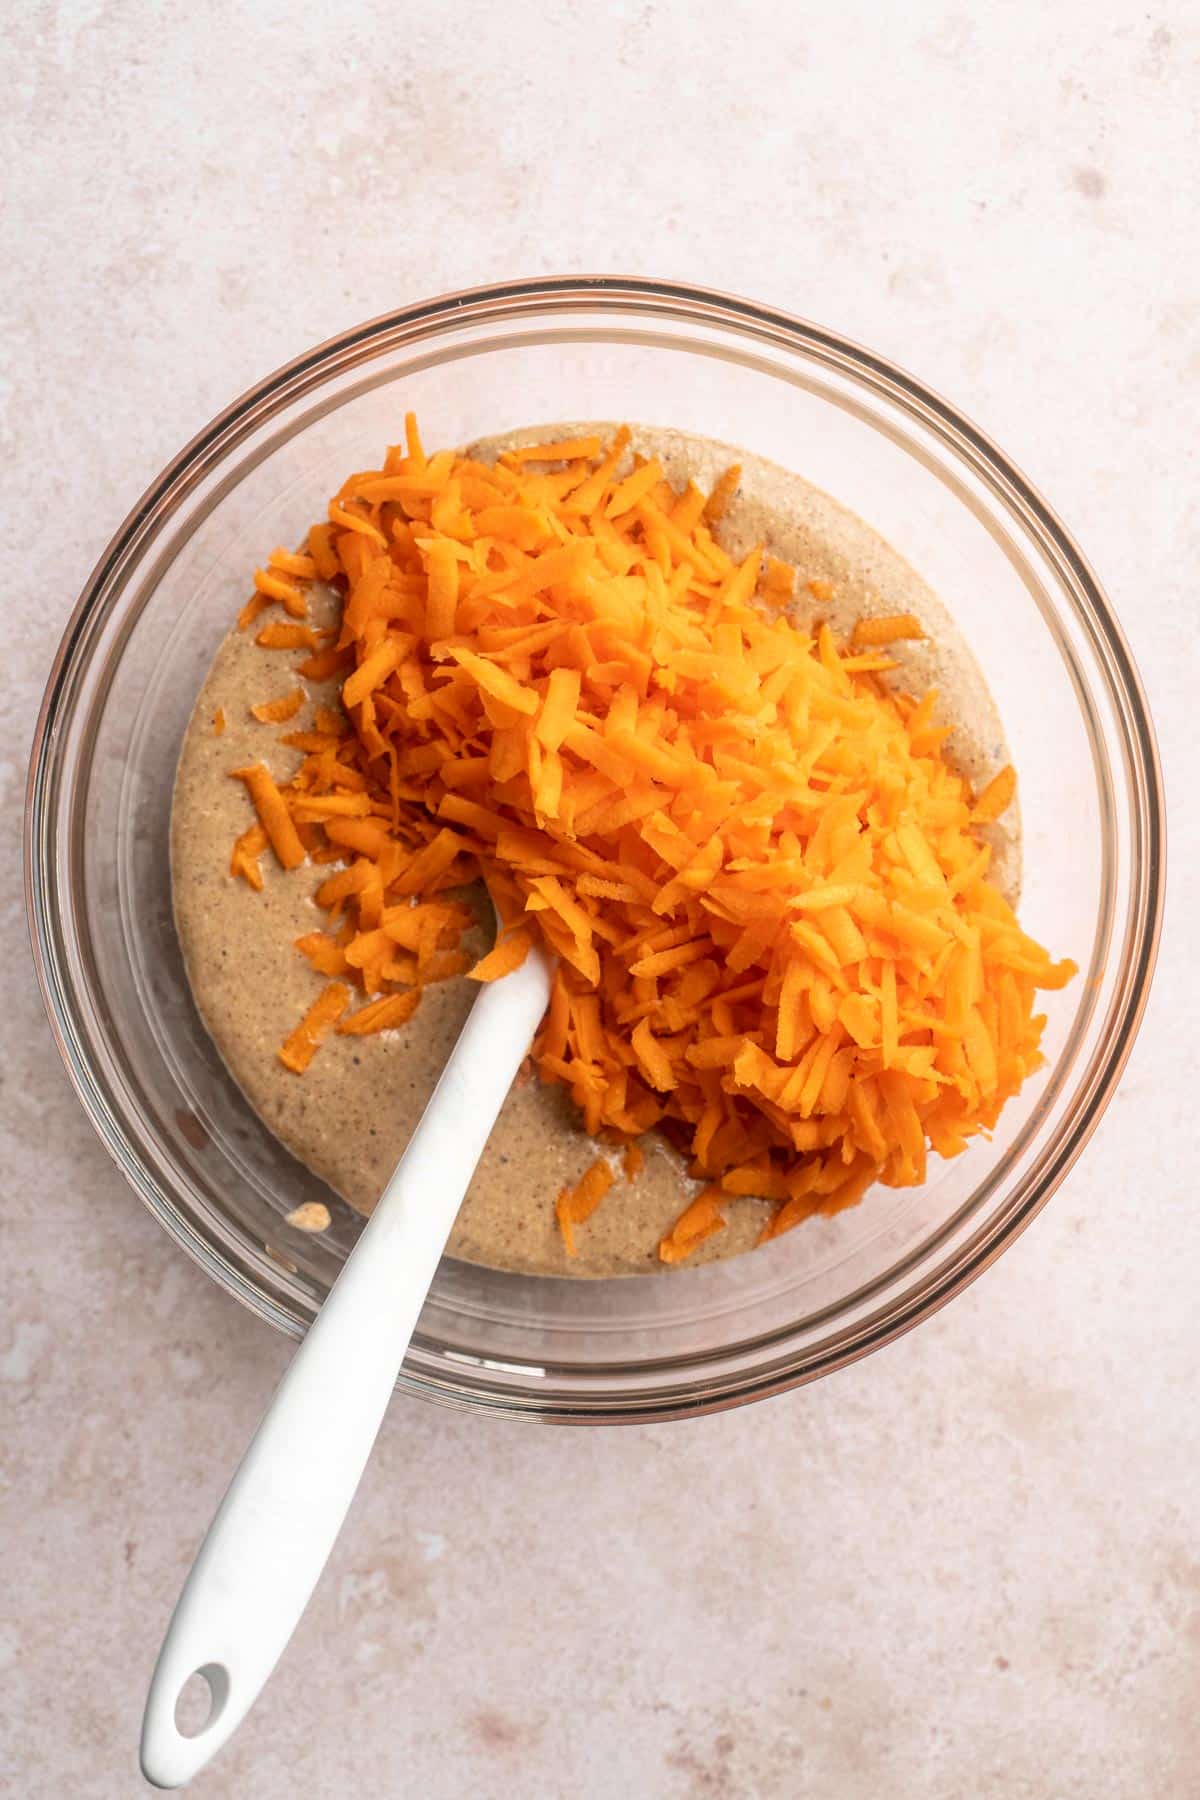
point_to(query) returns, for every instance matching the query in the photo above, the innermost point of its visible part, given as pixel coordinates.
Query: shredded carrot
(326, 955)
(273, 814)
(778, 584)
(633, 1161)
(301, 1045)
(887, 629)
(322, 663)
(274, 712)
(565, 450)
(381, 1015)
(276, 587)
(246, 852)
(717, 503)
(290, 562)
(257, 603)
(758, 874)
(508, 954)
(576, 1205)
(694, 1226)
(997, 796)
(219, 721)
(320, 548)
(281, 636)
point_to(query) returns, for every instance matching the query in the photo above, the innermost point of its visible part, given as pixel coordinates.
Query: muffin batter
(251, 986)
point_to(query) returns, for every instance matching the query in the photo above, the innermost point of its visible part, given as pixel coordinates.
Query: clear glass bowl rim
(546, 297)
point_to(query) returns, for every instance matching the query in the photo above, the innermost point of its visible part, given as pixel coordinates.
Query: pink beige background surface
(967, 1567)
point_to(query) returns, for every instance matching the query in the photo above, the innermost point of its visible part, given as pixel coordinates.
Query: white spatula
(274, 1529)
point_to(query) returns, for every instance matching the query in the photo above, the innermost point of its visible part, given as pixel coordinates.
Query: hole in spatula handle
(201, 1700)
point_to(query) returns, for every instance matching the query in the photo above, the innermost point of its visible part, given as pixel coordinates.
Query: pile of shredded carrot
(760, 877)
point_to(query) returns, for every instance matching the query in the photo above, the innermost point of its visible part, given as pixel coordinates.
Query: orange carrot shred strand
(321, 549)
(997, 796)
(291, 562)
(887, 629)
(324, 953)
(246, 852)
(301, 1045)
(384, 1014)
(277, 587)
(565, 450)
(508, 954)
(275, 712)
(576, 1205)
(281, 636)
(273, 814)
(694, 1226)
(257, 603)
(322, 664)
(717, 504)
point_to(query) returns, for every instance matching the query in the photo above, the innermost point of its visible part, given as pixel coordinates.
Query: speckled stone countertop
(970, 1565)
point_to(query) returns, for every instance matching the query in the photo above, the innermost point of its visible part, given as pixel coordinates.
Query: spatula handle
(274, 1529)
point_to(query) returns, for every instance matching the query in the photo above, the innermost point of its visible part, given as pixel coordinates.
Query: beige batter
(350, 1116)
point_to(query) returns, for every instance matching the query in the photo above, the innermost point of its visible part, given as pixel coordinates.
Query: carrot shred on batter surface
(290, 562)
(759, 875)
(301, 1045)
(384, 1014)
(273, 814)
(246, 852)
(277, 587)
(281, 636)
(275, 712)
(888, 628)
(576, 1205)
(694, 1226)
(565, 450)
(996, 797)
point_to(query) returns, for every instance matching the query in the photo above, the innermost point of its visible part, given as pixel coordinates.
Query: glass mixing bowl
(164, 594)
